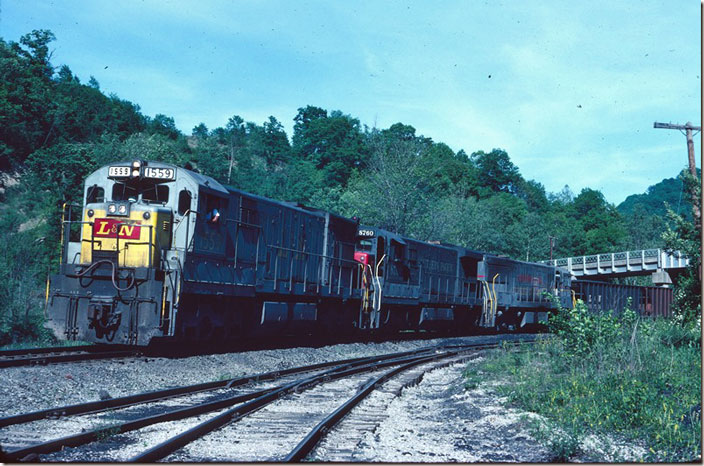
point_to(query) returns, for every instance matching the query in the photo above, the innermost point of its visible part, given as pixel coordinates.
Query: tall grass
(634, 378)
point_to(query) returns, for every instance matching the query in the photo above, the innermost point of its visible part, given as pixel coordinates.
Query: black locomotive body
(161, 252)
(172, 253)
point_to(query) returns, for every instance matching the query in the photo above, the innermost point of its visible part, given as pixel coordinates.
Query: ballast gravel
(30, 388)
(437, 420)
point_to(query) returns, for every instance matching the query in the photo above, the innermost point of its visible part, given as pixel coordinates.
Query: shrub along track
(232, 400)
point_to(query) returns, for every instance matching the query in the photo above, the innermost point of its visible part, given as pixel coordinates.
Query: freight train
(162, 253)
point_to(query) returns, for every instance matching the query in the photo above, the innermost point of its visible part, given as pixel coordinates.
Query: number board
(160, 173)
(365, 233)
(118, 172)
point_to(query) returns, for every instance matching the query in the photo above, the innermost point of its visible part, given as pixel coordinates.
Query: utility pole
(552, 242)
(688, 127)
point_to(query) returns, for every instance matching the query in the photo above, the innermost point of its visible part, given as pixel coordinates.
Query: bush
(618, 375)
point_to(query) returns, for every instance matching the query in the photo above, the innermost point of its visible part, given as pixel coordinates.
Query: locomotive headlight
(90, 213)
(136, 168)
(122, 209)
(112, 209)
(146, 215)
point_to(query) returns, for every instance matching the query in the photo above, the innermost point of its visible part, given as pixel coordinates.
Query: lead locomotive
(167, 253)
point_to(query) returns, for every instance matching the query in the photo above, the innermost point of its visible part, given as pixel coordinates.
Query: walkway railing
(624, 263)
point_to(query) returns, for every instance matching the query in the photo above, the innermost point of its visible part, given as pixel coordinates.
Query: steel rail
(239, 412)
(182, 413)
(96, 434)
(256, 399)
(311, 440)
(50, 349)
(71, 356)
(163, 394)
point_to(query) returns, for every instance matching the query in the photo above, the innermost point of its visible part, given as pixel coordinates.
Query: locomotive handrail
(185, 214)
(324, 256)
(64, 244)
(92, 239)
(240, 222)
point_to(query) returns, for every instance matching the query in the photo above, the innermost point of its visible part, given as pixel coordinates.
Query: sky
(569, 89)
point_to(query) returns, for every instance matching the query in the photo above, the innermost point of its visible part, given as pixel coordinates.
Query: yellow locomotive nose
(134, 240)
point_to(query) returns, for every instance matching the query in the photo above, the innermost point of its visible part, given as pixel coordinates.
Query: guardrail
(622, 263)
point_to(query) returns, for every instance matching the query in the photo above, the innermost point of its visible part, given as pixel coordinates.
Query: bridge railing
(622, 262)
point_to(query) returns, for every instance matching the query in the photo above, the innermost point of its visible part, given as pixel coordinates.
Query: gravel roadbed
(30, 388)
(442, 423)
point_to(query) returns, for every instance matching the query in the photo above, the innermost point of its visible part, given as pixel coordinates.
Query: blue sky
(569, 89)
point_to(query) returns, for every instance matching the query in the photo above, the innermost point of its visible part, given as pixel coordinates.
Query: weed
(106, 433)
(608, 374)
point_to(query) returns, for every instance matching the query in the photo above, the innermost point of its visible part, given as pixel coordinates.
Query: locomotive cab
(125, 216)
(365, 247)
(110, 286)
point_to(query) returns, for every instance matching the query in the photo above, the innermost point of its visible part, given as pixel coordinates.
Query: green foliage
(600, 221)
(614, 375)
(655, 201)
(497, 172)
(334, 143)
(393, 193)
(38, 109)
(563, 442)
(24, 264)
(54, 130)
(683, 235)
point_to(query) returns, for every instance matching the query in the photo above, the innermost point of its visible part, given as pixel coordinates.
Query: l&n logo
(108, 228)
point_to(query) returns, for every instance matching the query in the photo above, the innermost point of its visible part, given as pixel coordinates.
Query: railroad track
(289, 408)
(43, 356)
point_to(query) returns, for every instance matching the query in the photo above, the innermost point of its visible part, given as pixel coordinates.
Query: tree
(491, 224)
(200, 131)
(235, 136)
(669, 191)
(400, 132)
(683, 235)
(303, 120)
(25, 98)
(275, 142)
(66, 76)
(603, 226)
(162, 124)
(334, 143)
(393, 192)
(496, 171)
(533, 194)
(36, 49)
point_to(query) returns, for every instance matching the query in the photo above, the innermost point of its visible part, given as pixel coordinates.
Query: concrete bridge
(659, 263)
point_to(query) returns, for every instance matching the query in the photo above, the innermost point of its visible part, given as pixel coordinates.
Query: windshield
(364, 245)
(149, 192)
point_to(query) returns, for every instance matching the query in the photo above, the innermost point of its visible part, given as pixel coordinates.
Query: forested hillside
(670, 192)
(54, 129)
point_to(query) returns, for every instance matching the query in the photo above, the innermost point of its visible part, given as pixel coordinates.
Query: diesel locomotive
(160, 252)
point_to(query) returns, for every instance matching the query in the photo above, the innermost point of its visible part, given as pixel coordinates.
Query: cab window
(95, 194)
(364, 245)
(156, 193)
(184, 202)
(123, 192)
(215, 208)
